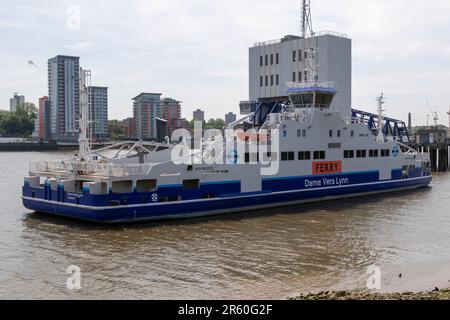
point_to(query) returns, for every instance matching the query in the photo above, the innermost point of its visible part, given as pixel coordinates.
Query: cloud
(197, 50)
(82, 46)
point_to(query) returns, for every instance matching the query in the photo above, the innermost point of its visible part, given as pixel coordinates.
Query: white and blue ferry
(315, 155)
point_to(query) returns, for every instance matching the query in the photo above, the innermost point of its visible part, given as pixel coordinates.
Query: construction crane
(434, 113)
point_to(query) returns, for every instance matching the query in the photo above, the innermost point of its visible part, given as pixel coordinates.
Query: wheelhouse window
(385, 153)
(323, 99)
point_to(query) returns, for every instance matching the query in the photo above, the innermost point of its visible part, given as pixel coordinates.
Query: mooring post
(437, 159)
(448, 158)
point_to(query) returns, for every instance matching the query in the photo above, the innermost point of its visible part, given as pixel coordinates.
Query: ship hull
(217, 206)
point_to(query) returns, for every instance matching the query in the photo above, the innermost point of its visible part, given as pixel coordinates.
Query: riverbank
(437, 294)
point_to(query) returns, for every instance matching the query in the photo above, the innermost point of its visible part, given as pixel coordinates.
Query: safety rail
(310, 84)
(88, 168)
(311, 35)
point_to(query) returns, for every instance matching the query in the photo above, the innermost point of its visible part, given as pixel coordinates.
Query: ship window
(122, 186)
(299, 76)
(304, 133)
(191, 184)
(287, 156)
(277, 79)
(262, 81)
(361, 153)
(331, 133)
(271, 59)
(385, 153)
(299, 133)
(373, 153)
(146, 185)
(294, 56)
(293, 76)
(352, 133)
(339, 133)
(319, 155)
(304, 155)
(323, 99)
(261, 61)
(300, 55)
(267, 59)
(267, 81)
(278, 58)
(271, 79)
(348, 154)
(306, 76)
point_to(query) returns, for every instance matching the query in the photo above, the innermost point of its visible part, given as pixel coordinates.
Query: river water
(272, 254)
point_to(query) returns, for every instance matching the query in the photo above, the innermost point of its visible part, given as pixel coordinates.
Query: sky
(196, 51)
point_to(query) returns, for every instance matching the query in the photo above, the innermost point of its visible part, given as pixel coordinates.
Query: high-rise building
(199, 115)
(98, 104)
(64, 96)
(146, 108)
(129, 126)
(44, 118)
(15, 102)
(230, 117)
(275, 63)
(171, 111)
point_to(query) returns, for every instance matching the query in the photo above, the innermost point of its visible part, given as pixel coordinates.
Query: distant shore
(437, 294)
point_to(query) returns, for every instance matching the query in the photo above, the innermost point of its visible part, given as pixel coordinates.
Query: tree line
(19, 123)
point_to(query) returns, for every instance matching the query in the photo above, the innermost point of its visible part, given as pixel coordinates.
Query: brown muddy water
(272, 254)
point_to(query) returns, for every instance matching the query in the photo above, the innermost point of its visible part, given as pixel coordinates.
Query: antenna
(306, 21)
(312, 66)
(83, 140)
(380, 101)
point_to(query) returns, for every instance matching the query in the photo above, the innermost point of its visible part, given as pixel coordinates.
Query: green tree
(19, 123)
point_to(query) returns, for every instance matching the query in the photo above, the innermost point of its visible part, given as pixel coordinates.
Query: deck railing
(89, 169)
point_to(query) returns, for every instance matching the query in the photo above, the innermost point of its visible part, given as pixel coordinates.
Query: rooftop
(146, 94)
(293, 37)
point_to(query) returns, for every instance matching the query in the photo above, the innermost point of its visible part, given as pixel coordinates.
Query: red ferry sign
(326, 167)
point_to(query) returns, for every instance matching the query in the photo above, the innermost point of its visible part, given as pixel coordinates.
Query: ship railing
(89, 168)
(310, 84)
(310, 35)
(357, 120)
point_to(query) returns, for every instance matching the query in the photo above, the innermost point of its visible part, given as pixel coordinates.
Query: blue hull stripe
(202, 207)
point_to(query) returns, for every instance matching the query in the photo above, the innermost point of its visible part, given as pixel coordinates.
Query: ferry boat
(302, 152)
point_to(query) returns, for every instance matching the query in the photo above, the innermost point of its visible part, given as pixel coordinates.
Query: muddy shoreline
(437, 294)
